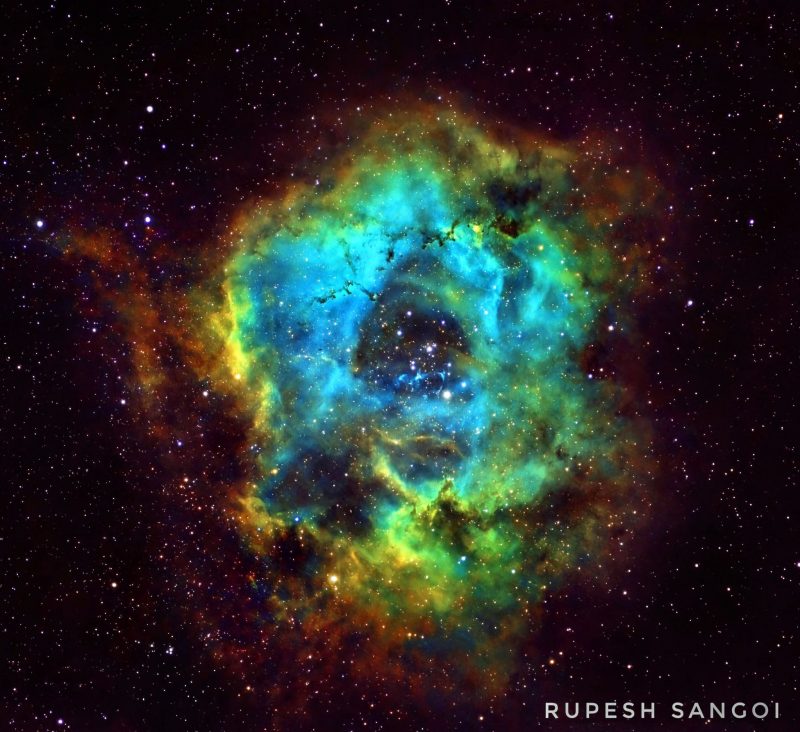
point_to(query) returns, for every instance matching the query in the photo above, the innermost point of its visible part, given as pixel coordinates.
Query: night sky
(134, 141)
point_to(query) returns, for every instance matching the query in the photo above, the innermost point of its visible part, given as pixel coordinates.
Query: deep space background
(709, 607)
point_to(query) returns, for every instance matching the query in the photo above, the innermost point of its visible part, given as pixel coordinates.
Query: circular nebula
(427, 349)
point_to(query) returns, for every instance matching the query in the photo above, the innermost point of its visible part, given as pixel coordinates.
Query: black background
(707, 93)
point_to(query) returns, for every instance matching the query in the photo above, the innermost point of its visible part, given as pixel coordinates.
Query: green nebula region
(415, 334)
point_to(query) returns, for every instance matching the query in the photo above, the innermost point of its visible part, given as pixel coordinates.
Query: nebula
(421, 359)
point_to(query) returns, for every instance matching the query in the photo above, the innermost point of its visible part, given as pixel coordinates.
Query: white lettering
(716, 710)
(696, 711)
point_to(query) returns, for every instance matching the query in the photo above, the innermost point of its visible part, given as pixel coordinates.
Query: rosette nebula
(420, 361)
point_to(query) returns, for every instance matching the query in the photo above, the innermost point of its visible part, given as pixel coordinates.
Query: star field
(396, 367)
